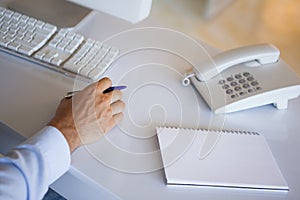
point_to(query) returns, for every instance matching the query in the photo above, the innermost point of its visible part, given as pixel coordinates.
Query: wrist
(69, 132)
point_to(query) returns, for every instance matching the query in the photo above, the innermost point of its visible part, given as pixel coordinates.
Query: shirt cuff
(54, 149)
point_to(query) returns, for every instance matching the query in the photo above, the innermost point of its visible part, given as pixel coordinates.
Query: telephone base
(281, 105)
(278, 97)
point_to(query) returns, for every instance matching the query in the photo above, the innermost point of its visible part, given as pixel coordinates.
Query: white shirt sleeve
(27, 170)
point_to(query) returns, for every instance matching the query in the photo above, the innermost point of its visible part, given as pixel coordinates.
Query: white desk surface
(30, 95)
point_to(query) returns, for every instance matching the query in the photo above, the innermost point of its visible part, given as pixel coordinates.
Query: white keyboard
(62, 50)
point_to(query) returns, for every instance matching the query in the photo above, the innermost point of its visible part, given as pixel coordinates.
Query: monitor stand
(60, 13)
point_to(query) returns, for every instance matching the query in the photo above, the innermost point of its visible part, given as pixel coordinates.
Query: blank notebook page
(218, 158)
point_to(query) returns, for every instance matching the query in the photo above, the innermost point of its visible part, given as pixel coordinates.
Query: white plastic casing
(130, 10)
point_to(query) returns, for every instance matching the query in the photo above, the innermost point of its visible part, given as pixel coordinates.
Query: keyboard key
(87, 69)
(3, 42)
(25, 50)
(97, 72)
(16, 16)
(73, 67)
(13, 46)
(8, 13)
(40, 24)
(51, 28)
(106, 62)
(105, 47)
(2, 10)
(57, 61)
(41, 31)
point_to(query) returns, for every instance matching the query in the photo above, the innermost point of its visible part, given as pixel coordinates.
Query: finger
(116, 95)
(98, 86)
(118, 117)
(117, 107)
(103, 84)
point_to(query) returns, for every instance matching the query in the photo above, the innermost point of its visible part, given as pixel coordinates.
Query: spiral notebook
(218, 159)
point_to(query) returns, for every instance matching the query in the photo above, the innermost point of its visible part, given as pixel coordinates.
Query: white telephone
(244, 78)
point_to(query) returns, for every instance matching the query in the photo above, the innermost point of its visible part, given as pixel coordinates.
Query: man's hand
(89, 114)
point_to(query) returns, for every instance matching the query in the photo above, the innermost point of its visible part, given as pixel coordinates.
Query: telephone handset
(244, 78)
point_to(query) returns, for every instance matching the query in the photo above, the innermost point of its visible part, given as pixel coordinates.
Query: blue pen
(110, 89)
(121, 87)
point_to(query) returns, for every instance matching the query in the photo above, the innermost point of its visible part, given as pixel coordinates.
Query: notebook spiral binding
(212, 130)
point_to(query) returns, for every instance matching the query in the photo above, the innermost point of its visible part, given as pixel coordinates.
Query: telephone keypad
(239, 85)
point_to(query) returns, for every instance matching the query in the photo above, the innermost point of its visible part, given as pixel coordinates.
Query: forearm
(28, 170)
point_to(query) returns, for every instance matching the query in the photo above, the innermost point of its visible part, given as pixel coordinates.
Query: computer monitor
(130, 10)
(68, 13)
